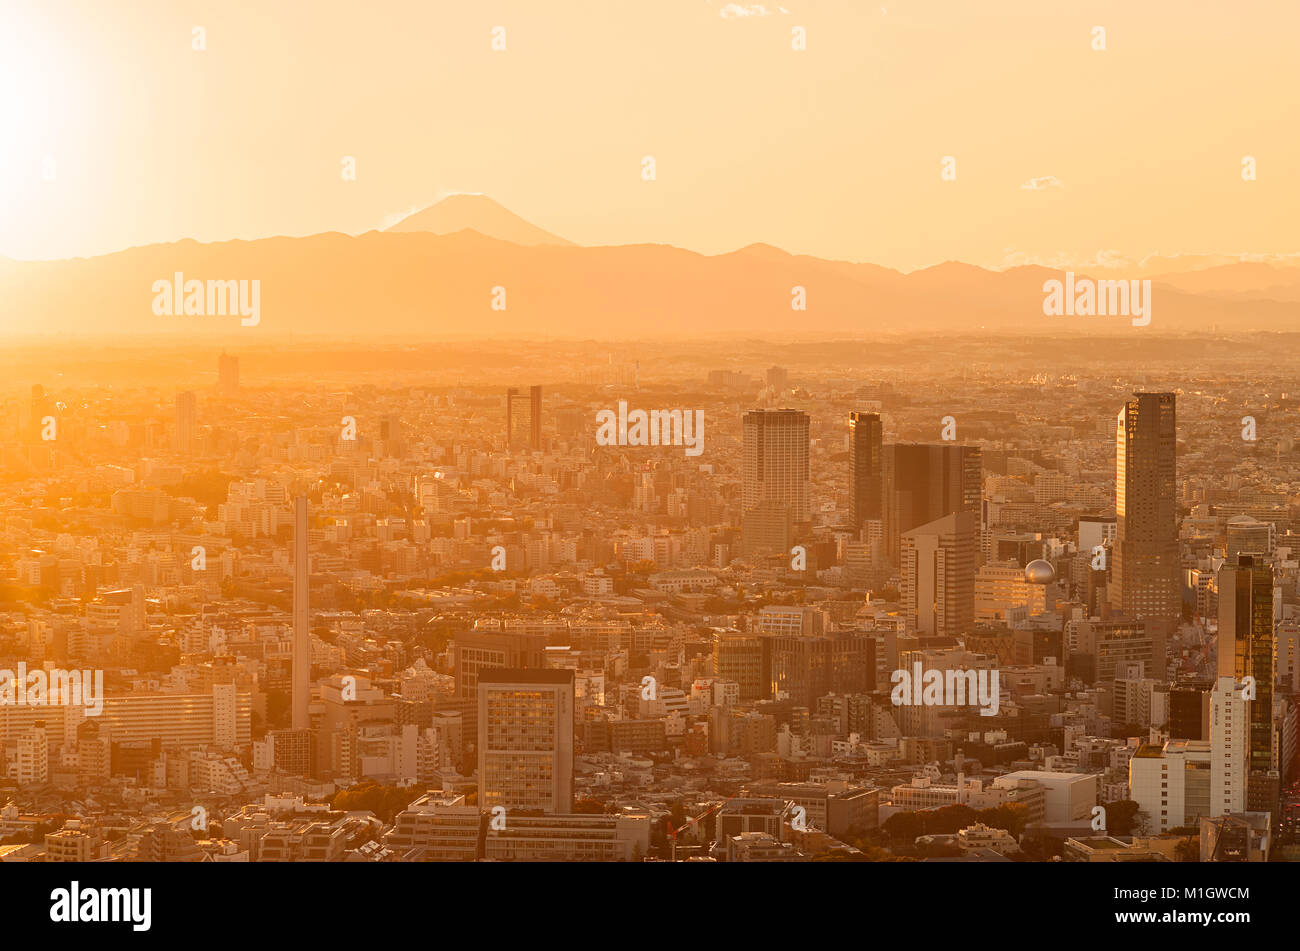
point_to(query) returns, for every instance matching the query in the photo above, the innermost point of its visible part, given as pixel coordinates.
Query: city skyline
(708, 432)
(628, 577)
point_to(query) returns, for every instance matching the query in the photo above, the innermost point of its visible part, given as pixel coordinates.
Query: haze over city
(691, 432)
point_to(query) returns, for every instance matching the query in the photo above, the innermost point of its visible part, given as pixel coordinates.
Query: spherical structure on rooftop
(1039, 571)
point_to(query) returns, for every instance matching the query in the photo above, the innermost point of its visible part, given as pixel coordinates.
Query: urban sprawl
(868, 616)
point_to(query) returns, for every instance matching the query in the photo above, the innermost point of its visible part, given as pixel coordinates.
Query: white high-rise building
(301, 664)
(1177, 784)
(32, 762)
(1171, 784)
(1229, 747)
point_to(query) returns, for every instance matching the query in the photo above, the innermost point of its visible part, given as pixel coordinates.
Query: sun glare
(35, 77)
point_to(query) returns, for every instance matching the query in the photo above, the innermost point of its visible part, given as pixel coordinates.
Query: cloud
(1157, 262)
(733, 10)
(1062, 260)
(1041, 182)
(1210, 259)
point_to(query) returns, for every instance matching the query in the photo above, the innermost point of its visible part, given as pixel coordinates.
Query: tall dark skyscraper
(1144, 570)
(1247, 646)
(866, 468)
(524, 426)
(775, 478)
(924, 483)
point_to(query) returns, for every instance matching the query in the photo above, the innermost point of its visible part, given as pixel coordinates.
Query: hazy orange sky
(834, 150)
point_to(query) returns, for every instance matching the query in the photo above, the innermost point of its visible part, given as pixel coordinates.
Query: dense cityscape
(557, 444)
(975, 600)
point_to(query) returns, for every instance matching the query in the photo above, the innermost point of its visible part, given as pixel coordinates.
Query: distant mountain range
(436, 272)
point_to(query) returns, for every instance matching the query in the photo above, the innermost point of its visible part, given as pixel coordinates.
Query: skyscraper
(524, 427)
(525, 739)
(924, 483)
(775, 495)
(1229, 747)
(187, 422)
(301, 680)
(937, 566)
(1144, 568)
(1246, 649)
(866, 468)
